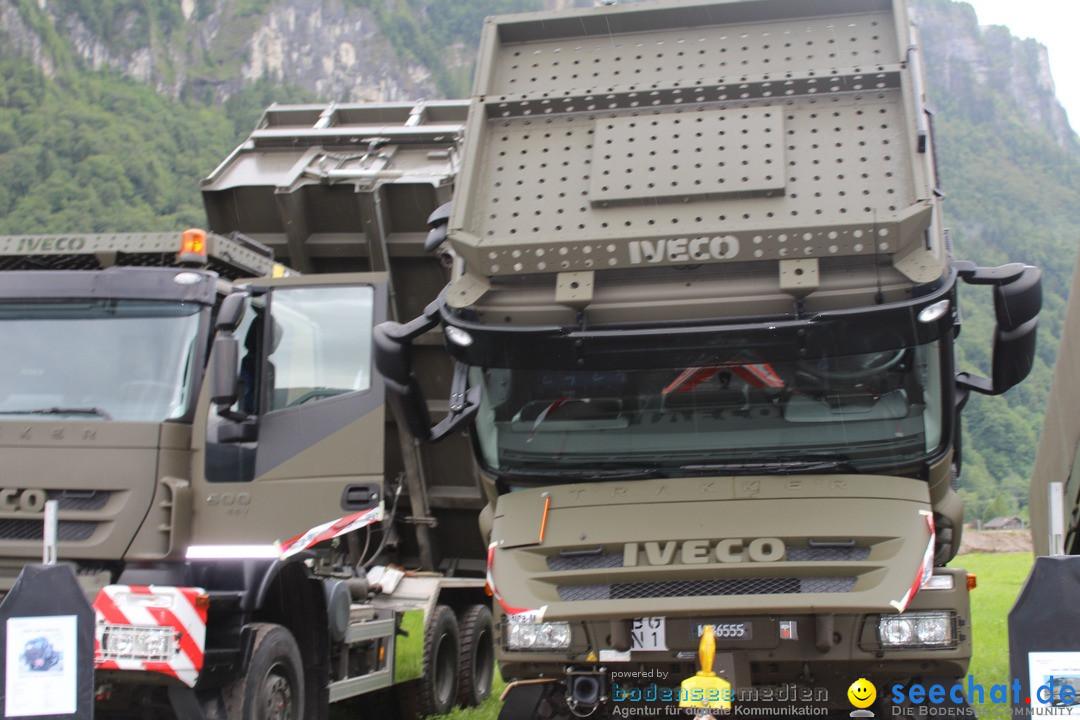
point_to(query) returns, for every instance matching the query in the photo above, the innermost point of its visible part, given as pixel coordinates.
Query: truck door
(302, 442)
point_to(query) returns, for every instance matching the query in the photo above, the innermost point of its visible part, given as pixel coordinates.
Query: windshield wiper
(779, 467)
(61, 411)
(582, 474)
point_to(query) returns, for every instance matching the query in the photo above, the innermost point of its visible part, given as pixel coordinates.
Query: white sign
(41, 666)
(1054, 681)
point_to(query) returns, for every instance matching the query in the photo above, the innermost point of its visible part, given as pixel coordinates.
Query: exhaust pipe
(585, 692)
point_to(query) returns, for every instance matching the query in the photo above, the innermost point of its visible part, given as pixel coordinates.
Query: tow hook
(586, 691)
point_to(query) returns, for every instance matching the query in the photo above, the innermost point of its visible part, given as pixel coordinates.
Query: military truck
(1057, 460)
(257, 537)
(706, 309)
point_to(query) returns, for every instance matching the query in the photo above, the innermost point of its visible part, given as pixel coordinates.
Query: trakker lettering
(701, 552)
(684, 249)
(51, 244)
(12, 500)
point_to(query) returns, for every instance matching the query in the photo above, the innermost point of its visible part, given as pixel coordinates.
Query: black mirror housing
(231, 311)
(1017, 301)
(224, 358)
(393, 358)
(438, 222)
(1014, 355)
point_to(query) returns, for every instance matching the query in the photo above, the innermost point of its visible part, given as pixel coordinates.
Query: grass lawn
(488, 711)
(1000, 577)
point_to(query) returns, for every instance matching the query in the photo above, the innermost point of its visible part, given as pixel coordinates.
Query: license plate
(648, 634)
(725, 630)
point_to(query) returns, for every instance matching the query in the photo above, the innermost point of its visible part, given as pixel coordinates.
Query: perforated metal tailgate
(697, 132)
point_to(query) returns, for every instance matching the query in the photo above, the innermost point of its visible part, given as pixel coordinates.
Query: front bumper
(801, 655)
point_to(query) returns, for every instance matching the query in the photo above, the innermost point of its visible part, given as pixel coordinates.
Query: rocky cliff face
(333, 48)
(338, 50)
(973, 65)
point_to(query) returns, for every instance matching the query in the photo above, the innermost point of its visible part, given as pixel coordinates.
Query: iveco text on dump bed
(708, 309)
(230, 489)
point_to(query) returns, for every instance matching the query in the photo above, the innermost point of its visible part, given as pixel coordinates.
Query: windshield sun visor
(883, 330)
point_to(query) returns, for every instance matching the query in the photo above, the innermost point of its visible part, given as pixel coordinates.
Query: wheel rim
(483, 663)
(278, 695)
(444, 669)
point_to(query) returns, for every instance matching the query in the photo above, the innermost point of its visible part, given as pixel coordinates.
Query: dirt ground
(995, 541)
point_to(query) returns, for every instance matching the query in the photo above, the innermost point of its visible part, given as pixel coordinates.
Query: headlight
(931, 630)
(896, 631)
(914, 630)
(538, 636)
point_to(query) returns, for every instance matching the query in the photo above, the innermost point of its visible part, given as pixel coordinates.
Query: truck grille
(827, 554)
(593, 561)
(562, 563)
(84, 500)
(67, 530)
(699, 588)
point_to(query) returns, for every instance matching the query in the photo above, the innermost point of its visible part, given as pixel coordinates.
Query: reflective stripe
(926, 567)
(514, 614)
(233, 552)
(330, 530)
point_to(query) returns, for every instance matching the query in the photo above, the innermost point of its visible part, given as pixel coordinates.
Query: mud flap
(523, 702)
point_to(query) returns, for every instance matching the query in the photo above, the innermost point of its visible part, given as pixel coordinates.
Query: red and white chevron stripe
(175, 612)
(759, 375)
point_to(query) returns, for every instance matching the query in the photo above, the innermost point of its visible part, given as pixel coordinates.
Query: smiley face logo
(862, 693)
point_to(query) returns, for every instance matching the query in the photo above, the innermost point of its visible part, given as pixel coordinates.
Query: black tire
(945, 539)
(273, 688)
(439, 683)
(376, 705)
(477, 656)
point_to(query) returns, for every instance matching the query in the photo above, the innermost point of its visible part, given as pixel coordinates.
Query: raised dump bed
(348, 188)
(708, 132)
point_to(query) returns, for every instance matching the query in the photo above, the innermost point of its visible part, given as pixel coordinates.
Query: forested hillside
(1011, 176)
(112, 110)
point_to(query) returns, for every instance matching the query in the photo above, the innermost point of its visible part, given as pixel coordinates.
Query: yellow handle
(707, 652)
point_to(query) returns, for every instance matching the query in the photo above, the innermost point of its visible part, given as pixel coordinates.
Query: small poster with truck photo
(41, 669)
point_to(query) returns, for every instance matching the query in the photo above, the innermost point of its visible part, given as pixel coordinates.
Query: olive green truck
(257, 538)
(706, 310)
(1055, 516)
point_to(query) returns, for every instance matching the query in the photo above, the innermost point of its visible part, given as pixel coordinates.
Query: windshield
(127, 360)
(745, 413)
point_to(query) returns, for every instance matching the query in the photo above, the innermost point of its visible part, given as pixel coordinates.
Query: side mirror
(393, 358)
(438, 222)
(1017, 302)
(231, 311)
(224, 389)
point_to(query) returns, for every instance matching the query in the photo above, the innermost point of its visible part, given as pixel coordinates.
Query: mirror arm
(224, 411)
(968, 382)
(393, 358)
(972, 274)
(464, 403)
